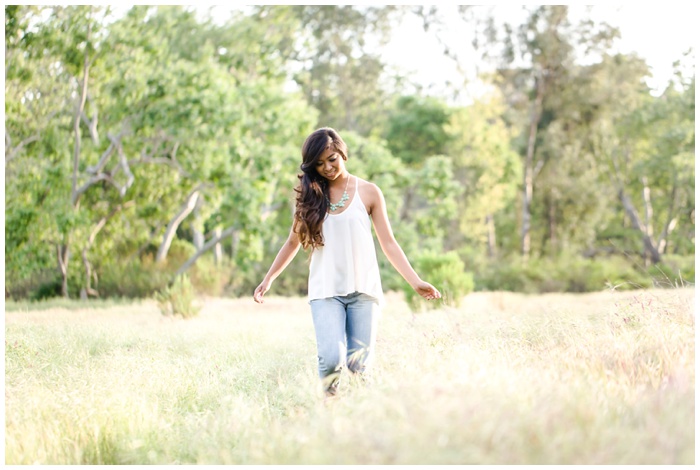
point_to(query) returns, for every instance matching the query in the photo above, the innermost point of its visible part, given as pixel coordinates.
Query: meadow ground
(601, 378)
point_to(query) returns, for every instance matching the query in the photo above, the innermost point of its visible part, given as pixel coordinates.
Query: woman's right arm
(283, 258)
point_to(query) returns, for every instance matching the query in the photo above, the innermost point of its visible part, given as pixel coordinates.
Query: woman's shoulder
(369, 192)
(366, 186)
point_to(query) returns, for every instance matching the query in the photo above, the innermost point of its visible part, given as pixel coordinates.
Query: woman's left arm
(391, 247)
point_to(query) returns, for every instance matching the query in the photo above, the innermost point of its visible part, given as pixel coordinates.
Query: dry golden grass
(604, 378)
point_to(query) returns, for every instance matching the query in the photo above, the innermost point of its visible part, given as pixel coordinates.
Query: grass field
(603, 378)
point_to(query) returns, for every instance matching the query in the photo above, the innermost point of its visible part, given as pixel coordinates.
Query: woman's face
(330, 164)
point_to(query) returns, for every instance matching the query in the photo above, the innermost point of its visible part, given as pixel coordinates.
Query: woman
(332, 218)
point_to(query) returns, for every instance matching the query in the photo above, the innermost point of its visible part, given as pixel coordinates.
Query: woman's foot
(332, 389)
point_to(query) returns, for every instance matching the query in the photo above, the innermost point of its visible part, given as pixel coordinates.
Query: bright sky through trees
(660, 35)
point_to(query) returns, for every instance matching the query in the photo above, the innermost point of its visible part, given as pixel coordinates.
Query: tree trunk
(64, 251)
(662, 243)
(652, 251)
(552, 216)
(62, 256)
(670, 222)
(648, 216)
(87, 291)
(490, 236)
(186, 209)
(649, 247)
(235, 238)
(535, 117)
(197, 238)
(89, 273)
(218, 253)
(406, 209)
(197, 235)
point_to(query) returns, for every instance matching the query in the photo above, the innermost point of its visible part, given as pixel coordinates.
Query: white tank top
(347, 261)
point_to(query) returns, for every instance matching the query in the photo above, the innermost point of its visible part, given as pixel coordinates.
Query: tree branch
(103, 158)
(103, 221)
(172, 162)
(95, 179)
(91, 123)
(11, 153)
(185, 210)
(648, 209)
(76, 121)
(98, 175)
(538, 168)
(124, 165)
(207, 246)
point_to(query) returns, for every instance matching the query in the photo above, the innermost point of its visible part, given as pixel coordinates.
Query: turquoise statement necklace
(343, 199)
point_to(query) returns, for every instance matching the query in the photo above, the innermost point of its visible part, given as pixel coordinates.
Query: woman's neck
(341, 181)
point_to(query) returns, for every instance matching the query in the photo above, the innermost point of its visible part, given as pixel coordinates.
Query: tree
(649, 150)
(66, 41)
(177, 123)
(416, 128)
(334, 67)
(546, 43)
(227, 132)
(486, 167)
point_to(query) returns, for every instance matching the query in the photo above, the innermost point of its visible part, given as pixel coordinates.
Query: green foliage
(178, 299)
(446, 272)
(562, 274)
(416, 129)
(436, 183)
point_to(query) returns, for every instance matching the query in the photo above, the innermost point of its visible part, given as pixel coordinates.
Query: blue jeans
(346, 329)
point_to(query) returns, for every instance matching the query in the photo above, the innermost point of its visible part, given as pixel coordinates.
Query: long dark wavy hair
(312, 192)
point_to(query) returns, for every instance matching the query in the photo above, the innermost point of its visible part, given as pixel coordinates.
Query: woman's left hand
(427, 291)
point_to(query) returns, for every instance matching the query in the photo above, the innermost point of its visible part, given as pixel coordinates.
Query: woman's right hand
(427, 291)
(260, 291)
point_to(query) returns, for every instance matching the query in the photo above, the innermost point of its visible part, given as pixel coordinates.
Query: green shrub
(563, 274)
(48, 289)
(178, 298)
(446, 272)
(135, 279)
(504, 275)
(209, 278)
(673, 271)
